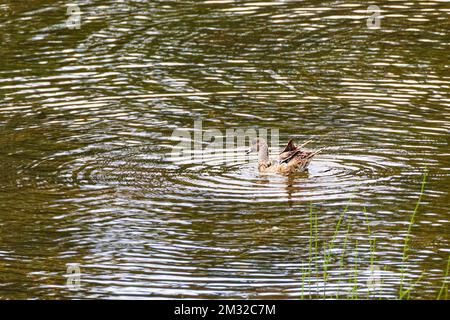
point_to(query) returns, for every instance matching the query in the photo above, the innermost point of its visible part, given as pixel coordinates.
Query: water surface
(86, 118)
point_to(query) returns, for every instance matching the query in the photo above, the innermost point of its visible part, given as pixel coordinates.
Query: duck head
(256, 145)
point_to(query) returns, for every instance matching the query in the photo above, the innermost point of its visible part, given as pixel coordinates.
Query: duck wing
(291, 151)
(299, 155)
(287, 152)
(286, 156)
(289, 147)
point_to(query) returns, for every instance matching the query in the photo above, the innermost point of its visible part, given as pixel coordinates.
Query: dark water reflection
(86, 118)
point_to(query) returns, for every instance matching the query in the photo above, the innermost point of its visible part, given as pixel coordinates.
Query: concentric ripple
(86, 123)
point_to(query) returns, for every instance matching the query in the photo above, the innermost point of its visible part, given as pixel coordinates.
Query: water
(86, 119)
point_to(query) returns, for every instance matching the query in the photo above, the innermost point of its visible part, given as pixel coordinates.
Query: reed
(444, 286)
(321, 265)
(408, 236)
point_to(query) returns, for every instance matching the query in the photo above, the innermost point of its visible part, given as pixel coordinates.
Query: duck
(291, 159)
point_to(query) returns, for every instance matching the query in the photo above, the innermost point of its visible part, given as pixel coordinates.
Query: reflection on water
(86, 118)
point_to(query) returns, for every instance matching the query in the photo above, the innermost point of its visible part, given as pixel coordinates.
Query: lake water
(86, 122)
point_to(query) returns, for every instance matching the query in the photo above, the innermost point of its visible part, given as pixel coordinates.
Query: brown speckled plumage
(291, 159)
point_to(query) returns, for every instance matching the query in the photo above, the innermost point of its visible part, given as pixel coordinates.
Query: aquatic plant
(340, 256)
